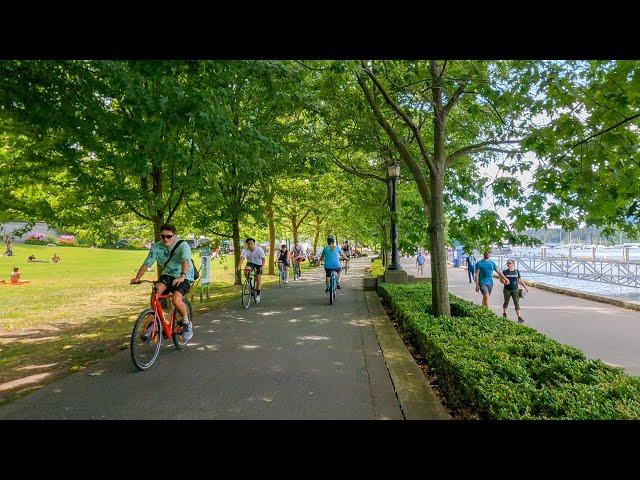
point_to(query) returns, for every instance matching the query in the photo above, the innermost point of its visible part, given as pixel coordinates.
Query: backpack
(196, 273)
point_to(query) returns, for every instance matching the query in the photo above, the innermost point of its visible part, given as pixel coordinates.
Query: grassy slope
(78, 311)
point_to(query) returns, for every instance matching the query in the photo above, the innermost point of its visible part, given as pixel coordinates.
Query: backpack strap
(172, 252)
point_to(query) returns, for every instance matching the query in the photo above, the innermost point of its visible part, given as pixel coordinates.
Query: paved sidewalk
(292, 356)
(602, 331)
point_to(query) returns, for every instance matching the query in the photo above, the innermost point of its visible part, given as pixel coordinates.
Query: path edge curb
(417, 398)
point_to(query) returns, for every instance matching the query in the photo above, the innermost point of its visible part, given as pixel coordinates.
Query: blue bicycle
(333, 285)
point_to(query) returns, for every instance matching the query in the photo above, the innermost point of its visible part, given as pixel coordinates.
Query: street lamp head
(394, 170)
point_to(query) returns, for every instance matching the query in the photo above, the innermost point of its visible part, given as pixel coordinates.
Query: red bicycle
(151, 326)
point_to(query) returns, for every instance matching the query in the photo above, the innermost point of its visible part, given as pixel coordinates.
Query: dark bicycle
(249, 289)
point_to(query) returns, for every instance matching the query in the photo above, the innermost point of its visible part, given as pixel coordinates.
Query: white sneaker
(258, 298)
(187, 331)
(287, 282)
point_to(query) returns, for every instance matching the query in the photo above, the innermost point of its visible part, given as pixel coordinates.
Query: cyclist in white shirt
(254, 255)
(298, 254)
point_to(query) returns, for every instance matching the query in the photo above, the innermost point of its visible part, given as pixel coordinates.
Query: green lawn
(78, 311)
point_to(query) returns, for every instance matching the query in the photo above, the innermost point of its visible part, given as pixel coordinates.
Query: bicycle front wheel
(246, 294)
(178, 339)
(146, 340)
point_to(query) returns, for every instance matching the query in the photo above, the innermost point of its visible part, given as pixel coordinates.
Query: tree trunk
(294, 230)
(235, 225)
(157, 223)
(272, 238)
(439, 281)
(315, 240)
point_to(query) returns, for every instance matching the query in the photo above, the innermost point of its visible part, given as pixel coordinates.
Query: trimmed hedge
(492, 368)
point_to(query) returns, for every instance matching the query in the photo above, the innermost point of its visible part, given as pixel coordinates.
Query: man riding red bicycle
(174, 260)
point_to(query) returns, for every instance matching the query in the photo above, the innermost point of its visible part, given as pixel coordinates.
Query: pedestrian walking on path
(420, 260)
(471, 266)
(484, 277)
(513, 290)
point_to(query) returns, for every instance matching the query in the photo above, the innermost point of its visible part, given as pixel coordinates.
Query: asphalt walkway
(292, 356)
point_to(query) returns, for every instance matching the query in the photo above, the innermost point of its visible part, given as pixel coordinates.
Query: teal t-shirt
(159, 253)
(331, 259)
(486, 269)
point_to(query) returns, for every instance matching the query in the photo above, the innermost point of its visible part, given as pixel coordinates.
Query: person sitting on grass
(31, 258)
(55, 258)
(15, 278)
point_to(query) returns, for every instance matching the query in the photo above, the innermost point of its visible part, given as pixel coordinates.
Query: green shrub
(377, 268)
(492, 368)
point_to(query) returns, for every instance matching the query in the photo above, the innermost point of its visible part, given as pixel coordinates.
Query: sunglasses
(166, 236)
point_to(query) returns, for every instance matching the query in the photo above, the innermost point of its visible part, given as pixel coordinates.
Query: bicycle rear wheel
(332, 286)
(146, 340)
(178, 339)
(246, 294)
(335, 287)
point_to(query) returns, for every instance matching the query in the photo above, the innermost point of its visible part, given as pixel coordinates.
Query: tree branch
(353, 171)
(400, 112)
(454, 98)
(479, 147)
(418, 175)
(133, 209)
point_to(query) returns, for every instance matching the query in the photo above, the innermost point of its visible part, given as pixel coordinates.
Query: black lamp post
(394, 173)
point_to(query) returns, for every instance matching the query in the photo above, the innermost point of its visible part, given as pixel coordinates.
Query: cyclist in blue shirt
(332, 255)
(484, 277)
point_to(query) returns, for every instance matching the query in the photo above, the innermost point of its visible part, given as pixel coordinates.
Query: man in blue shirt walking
(471, 266)
(484, 277)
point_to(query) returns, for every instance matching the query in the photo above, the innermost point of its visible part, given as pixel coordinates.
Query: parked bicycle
(151, 326)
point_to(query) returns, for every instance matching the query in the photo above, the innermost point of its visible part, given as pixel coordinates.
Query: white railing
(615, 272)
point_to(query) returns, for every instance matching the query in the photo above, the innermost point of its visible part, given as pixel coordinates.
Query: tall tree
(112, 136)
(452, 112)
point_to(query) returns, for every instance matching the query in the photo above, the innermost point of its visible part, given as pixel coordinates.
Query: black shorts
(183, 288)
(329, 270)
(257, 268)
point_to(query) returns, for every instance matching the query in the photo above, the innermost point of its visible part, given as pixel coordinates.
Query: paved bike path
(292, 356)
